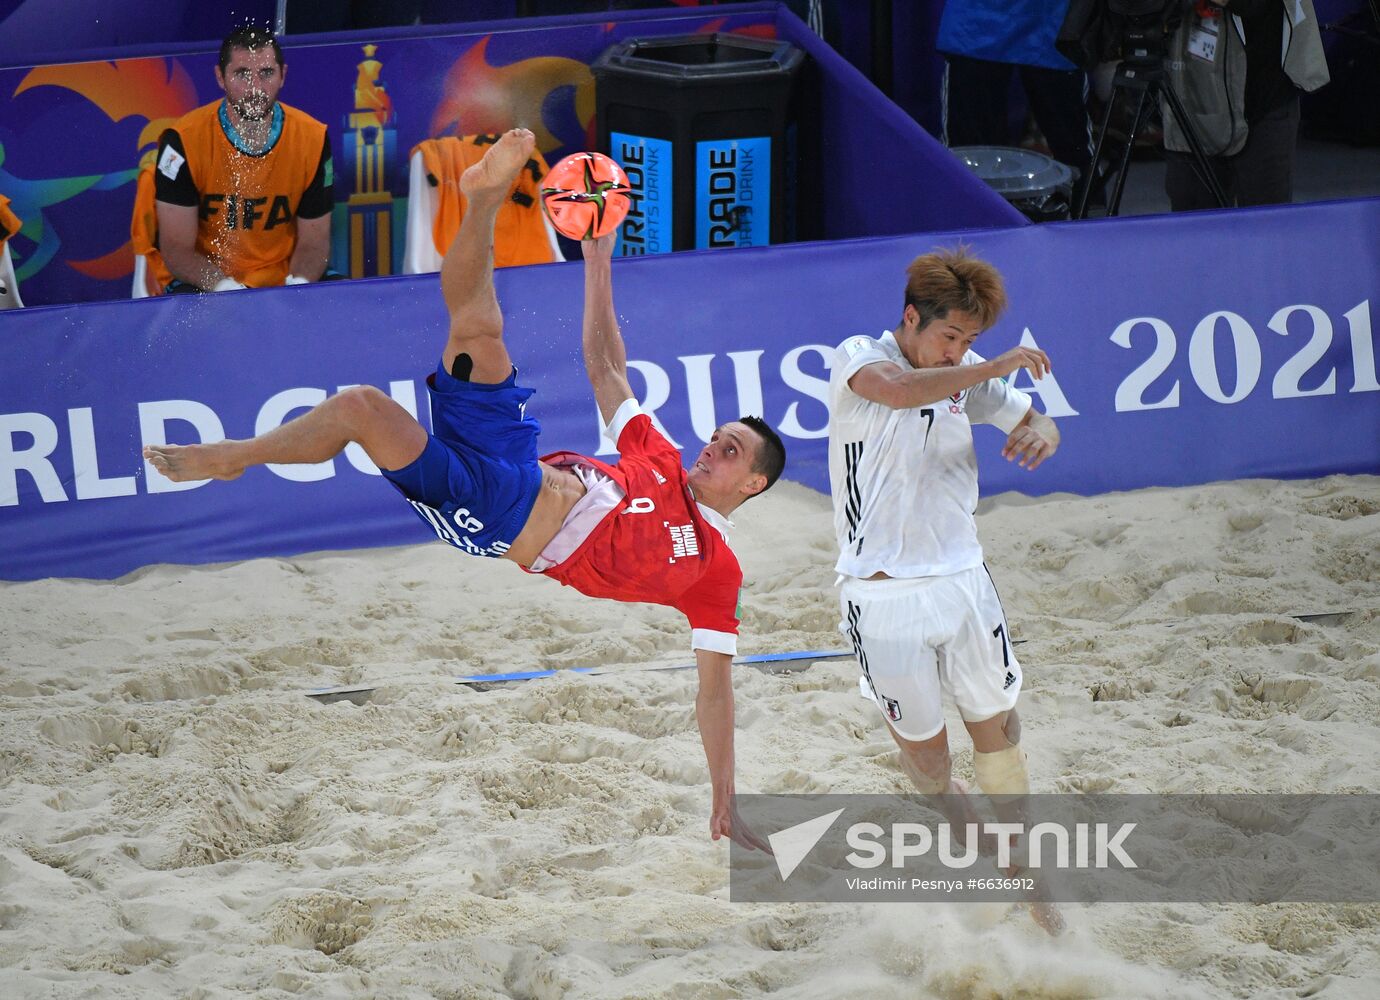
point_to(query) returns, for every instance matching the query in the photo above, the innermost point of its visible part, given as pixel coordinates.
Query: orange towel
(9, 222)
(520, 235)
(143, 232)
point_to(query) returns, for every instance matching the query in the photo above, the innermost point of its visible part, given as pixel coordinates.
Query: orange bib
(520, 235)
(248, 209)
(143, 232)
(9, 222)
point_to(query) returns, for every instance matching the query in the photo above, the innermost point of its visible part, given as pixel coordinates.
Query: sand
(178, 818)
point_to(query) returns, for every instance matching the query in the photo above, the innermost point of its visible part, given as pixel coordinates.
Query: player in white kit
(918, 603)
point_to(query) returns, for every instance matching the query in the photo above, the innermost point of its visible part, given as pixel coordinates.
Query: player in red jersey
(644, 529)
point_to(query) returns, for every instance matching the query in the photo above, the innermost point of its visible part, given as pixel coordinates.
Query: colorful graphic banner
(382, 94)
(1160, 376)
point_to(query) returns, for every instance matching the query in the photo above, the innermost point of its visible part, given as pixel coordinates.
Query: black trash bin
(1040, 187)
(704, 127)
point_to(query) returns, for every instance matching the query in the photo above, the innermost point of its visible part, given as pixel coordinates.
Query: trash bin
(704, 127)
(1040, 187)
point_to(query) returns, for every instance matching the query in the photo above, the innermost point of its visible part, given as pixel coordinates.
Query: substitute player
(918, 604)
(642, 530)
(243, 184)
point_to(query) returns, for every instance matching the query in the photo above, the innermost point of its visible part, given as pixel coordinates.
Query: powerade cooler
(702, 126)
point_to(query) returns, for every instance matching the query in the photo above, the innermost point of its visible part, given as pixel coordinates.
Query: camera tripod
(1141, 77)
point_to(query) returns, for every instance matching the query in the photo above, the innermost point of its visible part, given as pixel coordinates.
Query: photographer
(1239, 67)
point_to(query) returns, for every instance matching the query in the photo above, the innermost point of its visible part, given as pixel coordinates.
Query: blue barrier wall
(1186, 349)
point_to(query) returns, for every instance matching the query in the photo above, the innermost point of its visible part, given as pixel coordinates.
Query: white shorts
(916, 638)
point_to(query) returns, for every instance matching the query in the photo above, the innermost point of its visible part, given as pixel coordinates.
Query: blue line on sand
(528, 675)
(360, 692)
(522, 675)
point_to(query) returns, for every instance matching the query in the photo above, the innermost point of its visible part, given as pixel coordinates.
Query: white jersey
(905, 481)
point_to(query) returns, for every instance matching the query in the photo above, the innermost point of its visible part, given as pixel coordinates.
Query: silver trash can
(1038, 186)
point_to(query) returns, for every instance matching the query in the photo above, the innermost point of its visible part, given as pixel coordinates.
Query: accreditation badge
(1202, 38)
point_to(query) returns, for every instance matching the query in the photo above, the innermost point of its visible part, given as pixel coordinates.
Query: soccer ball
(586, 195)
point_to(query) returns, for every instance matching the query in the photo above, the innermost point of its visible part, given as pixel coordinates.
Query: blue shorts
(476, 480)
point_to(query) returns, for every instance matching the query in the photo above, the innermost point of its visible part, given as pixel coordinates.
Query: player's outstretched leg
(388, 434)
(467, 273)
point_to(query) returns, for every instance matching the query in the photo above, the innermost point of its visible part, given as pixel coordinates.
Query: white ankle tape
(1002, 772)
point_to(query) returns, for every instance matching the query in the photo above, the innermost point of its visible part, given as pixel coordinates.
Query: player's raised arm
(900, 389)
(606, 359)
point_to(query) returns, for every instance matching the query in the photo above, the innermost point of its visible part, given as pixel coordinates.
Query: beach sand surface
(179, 819)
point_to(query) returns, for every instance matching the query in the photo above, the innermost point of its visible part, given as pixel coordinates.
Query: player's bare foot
(1047, 915)
(183, 463)
(493, 175)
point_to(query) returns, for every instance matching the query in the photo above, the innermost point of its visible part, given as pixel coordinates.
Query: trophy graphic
(370, 146)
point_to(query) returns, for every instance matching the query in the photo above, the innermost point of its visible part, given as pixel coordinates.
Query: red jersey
(657, 545)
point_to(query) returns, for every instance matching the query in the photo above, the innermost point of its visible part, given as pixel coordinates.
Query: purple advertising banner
(1168, 369)
(73, 137)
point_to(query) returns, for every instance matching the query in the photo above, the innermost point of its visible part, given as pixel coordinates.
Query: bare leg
(467, 273)
(991, 736)
(997, 733)
(388, 434)
(930, 768)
